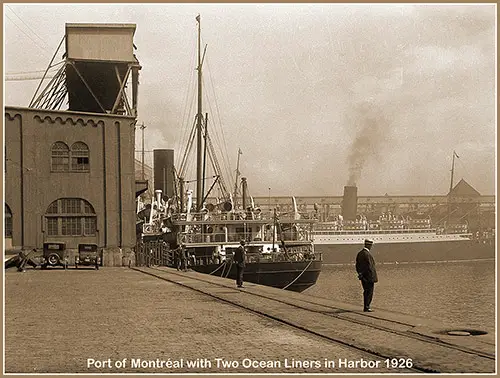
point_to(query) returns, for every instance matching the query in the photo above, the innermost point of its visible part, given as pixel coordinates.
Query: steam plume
(370, 124)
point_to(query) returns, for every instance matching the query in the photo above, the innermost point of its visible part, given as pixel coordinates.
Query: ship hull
(336, 253)
(292, 275)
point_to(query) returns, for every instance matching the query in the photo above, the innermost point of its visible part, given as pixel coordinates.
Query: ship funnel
(163, 168)
(350, 202)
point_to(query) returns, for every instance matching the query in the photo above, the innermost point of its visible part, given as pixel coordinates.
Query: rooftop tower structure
(99, 72)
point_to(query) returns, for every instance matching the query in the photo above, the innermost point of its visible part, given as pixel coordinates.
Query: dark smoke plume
(371, 125)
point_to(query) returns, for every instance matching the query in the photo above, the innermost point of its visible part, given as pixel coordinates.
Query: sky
(316, 96)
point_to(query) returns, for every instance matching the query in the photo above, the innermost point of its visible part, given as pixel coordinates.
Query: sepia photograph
(250, 188)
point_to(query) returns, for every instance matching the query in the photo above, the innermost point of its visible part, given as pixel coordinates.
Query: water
(458, 292)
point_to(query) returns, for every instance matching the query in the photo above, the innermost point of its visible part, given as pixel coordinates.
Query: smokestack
(350, 202)
(163, 163)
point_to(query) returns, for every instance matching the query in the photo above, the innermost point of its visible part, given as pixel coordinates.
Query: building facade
(69, 177)
(69, 174)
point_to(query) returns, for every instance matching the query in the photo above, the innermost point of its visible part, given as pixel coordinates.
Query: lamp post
(142, 127)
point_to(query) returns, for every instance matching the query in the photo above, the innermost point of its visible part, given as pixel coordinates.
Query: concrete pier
(159, 320)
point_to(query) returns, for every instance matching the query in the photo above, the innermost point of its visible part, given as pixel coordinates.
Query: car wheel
(53, 259)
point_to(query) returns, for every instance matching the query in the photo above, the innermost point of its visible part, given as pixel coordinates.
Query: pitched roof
(464, 189)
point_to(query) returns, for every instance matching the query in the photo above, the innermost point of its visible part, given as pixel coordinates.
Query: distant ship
(398, 238)
(401, 241)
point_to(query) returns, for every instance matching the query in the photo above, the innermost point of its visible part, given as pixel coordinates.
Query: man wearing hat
(239, 259)
(365, 266)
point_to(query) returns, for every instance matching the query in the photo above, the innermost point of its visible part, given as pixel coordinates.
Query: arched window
(71, 217)
(8, 222)
(60, 157)
(79, 157)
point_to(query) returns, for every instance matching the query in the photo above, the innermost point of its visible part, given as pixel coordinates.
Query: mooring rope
(301, 273)
(230, 266)
(223, 270)
(220, 266)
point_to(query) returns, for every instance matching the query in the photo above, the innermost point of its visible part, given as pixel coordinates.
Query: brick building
(69, 174)
(69, 177)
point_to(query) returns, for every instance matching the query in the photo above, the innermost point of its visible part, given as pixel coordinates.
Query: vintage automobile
(54, 254)
(88, 254)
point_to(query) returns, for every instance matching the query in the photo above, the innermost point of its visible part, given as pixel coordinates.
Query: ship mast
(237, 177)
(199, 119)
(451, 185)
(452, 170)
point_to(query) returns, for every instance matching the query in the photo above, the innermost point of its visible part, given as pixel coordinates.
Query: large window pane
(71, 217)
(71, 226)
(52, 228)
(90, 226)
(71, 206)
(52, 208)
(60, 157)
(88, 208)
(79, 157)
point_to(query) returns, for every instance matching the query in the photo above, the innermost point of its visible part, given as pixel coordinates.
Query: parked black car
(88, 254)
(54, 254)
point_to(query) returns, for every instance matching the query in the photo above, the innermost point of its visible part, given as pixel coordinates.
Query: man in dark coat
(181, 258)
(239, 260)
(365, 266)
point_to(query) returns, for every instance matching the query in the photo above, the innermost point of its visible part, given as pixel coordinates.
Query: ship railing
(199, 234)
(376, 232)
(216, 216)
(283, 256)
(238, 215)
(151, 228)
(256, 257)
(384, 224)
(458, 228)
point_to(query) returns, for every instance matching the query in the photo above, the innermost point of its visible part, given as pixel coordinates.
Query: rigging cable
(186, 141)
(222, 139)
(27, 35)
(189, 106)
(216, 166)
(187, 151)
(12, 10)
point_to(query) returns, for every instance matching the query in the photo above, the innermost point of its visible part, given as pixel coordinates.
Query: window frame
(71, 217)
(65, 159)
(62, 154)
(79, 151)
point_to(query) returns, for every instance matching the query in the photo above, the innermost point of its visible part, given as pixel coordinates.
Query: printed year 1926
(399, 363)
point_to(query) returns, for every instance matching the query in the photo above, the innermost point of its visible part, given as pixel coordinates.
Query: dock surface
(160, 320)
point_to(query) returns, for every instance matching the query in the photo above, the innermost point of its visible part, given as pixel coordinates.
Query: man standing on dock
(239, 259)
(365, 266)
